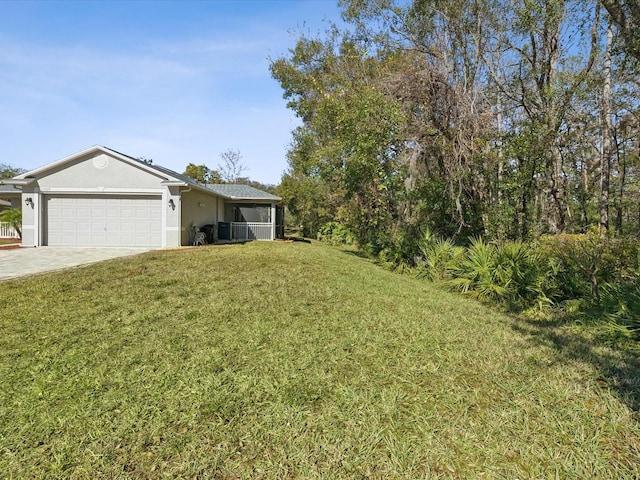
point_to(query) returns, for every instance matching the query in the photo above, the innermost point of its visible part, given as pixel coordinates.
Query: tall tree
(349, 138)
(202, 173)
(607, 133)
(440, 84)
(232, 166)
(8, 171)
(533, 67)
(625, 14)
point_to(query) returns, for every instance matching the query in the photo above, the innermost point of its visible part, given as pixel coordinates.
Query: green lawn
(9, 241)
(282, 360)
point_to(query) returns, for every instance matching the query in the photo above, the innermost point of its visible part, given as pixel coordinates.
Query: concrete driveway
(21, 262)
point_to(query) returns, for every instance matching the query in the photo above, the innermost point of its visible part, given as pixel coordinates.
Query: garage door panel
(103, 221)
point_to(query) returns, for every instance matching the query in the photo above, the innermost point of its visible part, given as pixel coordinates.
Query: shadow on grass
(297, 239)
(586, 340)
(354, 252)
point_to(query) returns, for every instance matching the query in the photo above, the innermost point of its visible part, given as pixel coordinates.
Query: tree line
(504, 119)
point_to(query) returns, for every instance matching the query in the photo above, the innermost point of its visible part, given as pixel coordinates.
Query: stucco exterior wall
(198, 208)
(171, 201)
(30, 217)
(100, 172)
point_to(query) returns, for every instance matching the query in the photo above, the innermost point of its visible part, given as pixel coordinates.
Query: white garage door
(103, 221)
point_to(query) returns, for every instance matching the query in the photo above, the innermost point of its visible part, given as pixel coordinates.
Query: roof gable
(58, 164)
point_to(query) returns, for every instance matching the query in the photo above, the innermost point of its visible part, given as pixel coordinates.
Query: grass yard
(280, 360)
(9, 241)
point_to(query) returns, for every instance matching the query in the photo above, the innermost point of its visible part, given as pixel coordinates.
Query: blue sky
(174, 81)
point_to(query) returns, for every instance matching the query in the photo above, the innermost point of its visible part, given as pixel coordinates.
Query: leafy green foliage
(621, 306)
(348, 143)
(8, 171)
(492, 133)
(588, 261)
(308, 202)
(202, 173)
(13, 216)
(477, 272)
(587, 274)
(398, 252)
(439, 256)
(510, 273)
(335, 234)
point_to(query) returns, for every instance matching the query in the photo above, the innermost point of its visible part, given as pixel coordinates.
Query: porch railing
(251, 231)
(7, 231)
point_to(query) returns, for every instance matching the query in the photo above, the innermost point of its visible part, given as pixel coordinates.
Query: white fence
(7, 231)
(251, 231)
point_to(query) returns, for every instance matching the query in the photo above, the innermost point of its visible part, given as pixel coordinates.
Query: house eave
(256, 199)
(18, 181)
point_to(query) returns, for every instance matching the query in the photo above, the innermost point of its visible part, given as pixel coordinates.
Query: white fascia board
(257, 199)
(18, 181)
(174, 183)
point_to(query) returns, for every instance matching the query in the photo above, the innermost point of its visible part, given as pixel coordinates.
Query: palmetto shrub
(622, 306)
(512, 273)
(527, 275)
(475, 272)
(438, 256)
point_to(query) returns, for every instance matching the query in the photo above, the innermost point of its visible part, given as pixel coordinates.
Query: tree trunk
(605, 159)
(557, 219)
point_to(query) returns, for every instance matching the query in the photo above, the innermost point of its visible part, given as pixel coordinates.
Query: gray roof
(234, 191)
(4, 189)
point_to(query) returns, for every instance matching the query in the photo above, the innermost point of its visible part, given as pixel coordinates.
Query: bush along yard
(298, 360)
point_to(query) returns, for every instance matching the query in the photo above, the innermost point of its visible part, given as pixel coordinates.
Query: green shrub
(438, 256)
(621, 306)
(335, 233)
(399, 253)
(476, 273)
(510, 273)
(588, 261)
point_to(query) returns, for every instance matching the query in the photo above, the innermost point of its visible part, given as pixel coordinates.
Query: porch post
(273, 221)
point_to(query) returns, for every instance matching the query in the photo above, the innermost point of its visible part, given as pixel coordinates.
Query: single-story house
(100, 197)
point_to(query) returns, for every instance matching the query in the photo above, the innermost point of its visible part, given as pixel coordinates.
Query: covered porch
(244, 221)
